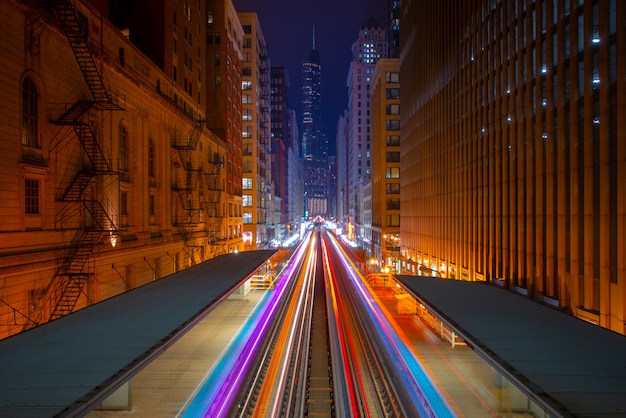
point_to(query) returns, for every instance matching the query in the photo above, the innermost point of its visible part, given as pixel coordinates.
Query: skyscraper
(370, 46)
(256, 133)
(280, 137)
(512, 148)
(314, 141)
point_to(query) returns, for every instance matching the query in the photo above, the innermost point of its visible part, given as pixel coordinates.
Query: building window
(393, 173)
(151, 205)
(246, 183)
(209, 17)
(246, 99)
(393, 204)
(393, 157)
(124, 204)
(247, 114)
(393, 220)
(218, 60)
(30, 113)
(247, 43)
(246, 85)
(393, 188)
(393, 125)
(247, 132)
(31, 196)
(393, 109)
(247, 217)
(150, 157)
(218, 80)
(123, 149)
(393, 93)
(393, 140)
(247, 201)
(393, 77)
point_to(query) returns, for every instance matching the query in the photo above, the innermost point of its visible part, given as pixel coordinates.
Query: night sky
(287, 26)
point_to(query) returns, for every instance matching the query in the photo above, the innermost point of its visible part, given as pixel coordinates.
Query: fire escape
(216, 196)
(74, 270)
(188, 188)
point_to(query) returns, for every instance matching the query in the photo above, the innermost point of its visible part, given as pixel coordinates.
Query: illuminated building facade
(385, 123)
(370, 46)
(314, 141)
(256, 136)
(222, 88)
(295, 174)
(513, 148)
(281, 139)
(104, 159)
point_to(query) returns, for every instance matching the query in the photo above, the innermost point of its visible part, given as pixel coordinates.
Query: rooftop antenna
(313, 37)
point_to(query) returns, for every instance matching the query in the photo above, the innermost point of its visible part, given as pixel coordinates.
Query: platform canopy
(68, 366)
(566, 365)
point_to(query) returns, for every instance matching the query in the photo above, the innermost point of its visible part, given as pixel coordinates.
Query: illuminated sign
(247, 238)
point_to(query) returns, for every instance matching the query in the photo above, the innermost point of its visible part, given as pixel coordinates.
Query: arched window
(30, 113)
(150, 157)
(123, 149)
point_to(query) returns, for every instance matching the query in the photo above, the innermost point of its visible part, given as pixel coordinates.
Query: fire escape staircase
(212, 204)
(192, 184)
(74, 271)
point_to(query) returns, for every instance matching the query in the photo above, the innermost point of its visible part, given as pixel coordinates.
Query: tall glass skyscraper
(314, 141)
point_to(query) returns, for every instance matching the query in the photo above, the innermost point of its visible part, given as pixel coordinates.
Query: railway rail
(321, 357)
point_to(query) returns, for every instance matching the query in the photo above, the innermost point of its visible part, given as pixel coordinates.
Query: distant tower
(314, 141)
(369, 47)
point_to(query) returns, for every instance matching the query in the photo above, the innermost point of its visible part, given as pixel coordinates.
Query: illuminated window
(393, 220)
(246, 183)
(393, 173)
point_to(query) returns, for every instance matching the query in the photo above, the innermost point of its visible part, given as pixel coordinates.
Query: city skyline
(287, 27)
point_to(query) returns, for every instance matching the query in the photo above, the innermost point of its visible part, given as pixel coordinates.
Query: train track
(319, 358)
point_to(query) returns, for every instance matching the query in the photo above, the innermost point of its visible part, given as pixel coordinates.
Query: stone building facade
(104, 166)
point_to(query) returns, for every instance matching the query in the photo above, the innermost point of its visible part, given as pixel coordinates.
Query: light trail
(430, 402)
(272, 391)
(347, 388)
(215, 396)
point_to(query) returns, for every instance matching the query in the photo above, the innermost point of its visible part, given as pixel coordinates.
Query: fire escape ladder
(77, 38)
(74, 272)
(190, 204)
(101, 221)
(73, 287)
(74, 192)
(90, 143)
